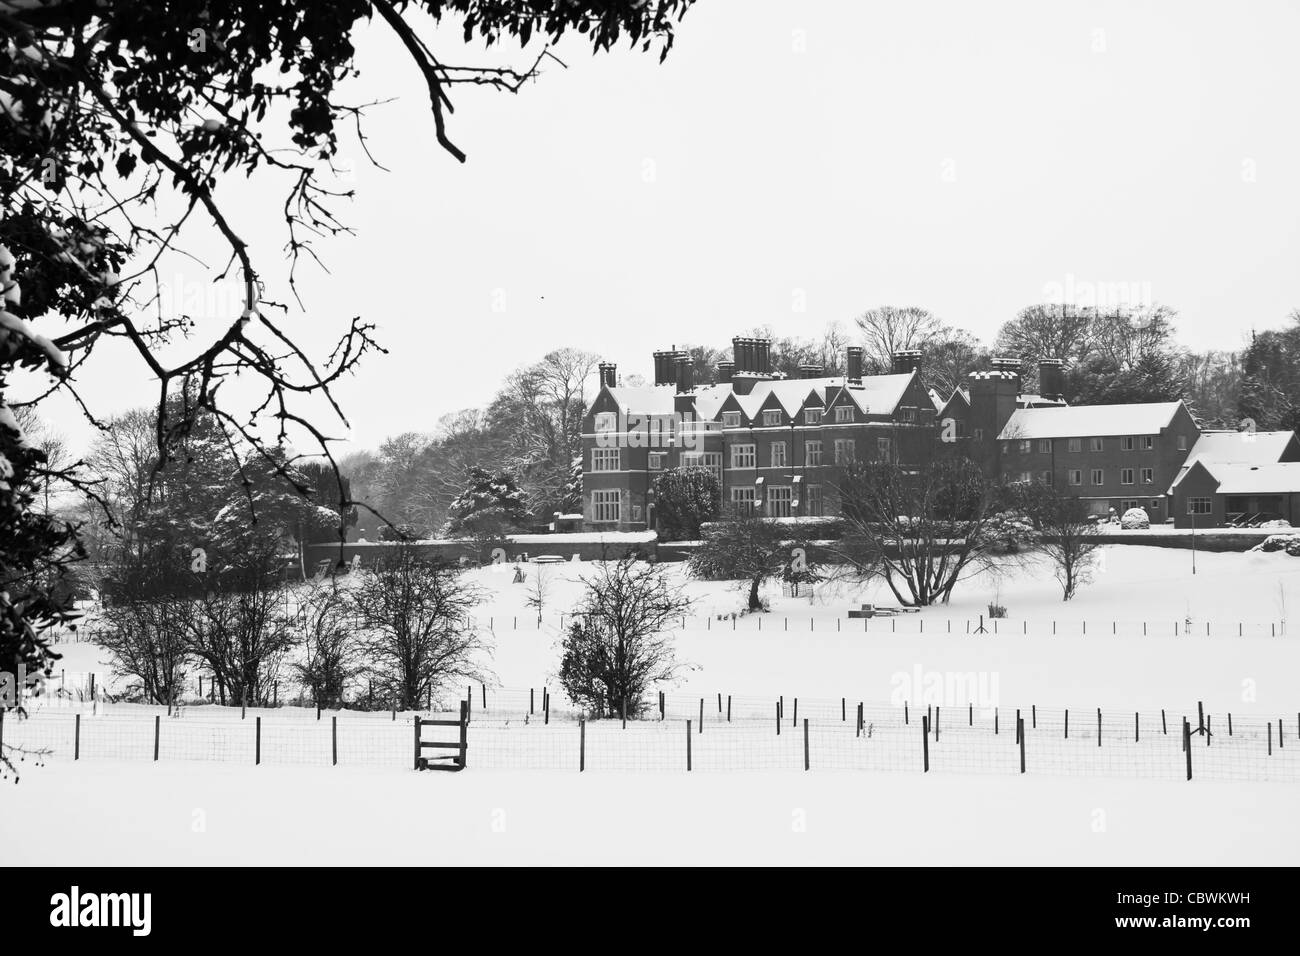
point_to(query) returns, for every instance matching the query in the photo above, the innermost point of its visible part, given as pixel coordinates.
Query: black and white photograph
(649, 433)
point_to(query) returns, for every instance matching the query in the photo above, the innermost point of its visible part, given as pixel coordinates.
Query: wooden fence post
(257, 759)
(1229, 723)
(701, 730)
(417, 742)
(805, 744)
(582, 744)
(844, 713)
(1067, 723)
(936, 723)
(905, 712)
(1137, 728)
(1187, 745)
(1020, 733)
(76, 739)
(1017, 725)
(728, 708)
(464, 736)
(1270, 738)
(778, 719)
(243, 704)
(1033, 716)
(925, 742)
(1164, 727)
(1098, 726)
(157, 733)
(532, 700)
(334, 739)
(794, 719)
(688, 744)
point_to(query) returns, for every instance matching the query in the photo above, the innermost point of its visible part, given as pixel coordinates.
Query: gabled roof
(878, 395)
(1083, 421)
(1248, 448)
(789, 393)
(659, 399)
(1240, 479)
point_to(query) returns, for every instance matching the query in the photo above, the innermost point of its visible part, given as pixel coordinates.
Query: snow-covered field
(218, 814)
(1090, 653)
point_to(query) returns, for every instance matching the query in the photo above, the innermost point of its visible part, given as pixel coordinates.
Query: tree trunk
(754, 603)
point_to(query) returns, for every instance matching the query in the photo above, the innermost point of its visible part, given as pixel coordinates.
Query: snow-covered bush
(1275, 523)
(1009, 532)
(1277, 542)
(1293, 547)
(1135, 519)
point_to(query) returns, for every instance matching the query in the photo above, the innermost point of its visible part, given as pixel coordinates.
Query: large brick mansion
(775, 442)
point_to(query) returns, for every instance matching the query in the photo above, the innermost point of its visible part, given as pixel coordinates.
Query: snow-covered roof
(1080, 421)
(1240, 479)
(658, 399)
(1034, 401)
(1248, 448)
(936, 400)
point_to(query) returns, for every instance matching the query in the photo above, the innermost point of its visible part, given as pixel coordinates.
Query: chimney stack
(607, 370)
(725, 371)
(685, 375)
(763, 358)
(1051, 379)
(906, 361)
(811, 370)
(853, 364)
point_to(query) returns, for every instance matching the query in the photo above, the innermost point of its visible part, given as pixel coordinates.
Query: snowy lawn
(115, 813)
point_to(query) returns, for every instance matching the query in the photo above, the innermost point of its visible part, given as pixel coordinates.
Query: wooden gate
(453, 761)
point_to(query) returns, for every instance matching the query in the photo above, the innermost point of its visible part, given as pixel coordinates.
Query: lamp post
(1193, 513)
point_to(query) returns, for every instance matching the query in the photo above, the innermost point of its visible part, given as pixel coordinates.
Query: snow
(1086, 654)
(1089, 420)
(119, 813)
(1251, 448)
(1241, 479)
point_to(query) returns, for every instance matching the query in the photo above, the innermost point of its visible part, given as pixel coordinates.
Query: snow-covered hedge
(1135, 519)
(1280, 542)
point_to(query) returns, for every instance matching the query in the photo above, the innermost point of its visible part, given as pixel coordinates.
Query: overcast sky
(793, 164)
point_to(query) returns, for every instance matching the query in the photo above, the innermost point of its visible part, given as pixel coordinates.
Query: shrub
(997, 610)
(1135, 519)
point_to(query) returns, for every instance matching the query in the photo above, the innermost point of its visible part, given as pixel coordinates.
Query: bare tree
(751, 549)
(329, 648)
(1070, 536)
(540, 590)
(887, 329)
(616, 646)
(417, 633)
(923, 528)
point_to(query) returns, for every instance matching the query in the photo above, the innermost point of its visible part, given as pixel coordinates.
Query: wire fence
(525, 729)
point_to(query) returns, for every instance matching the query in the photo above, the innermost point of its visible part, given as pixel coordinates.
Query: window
(743, 498)
(778, 454)
(843, 413)
(1044, 446)
(1148, 442)
(731, 419)
(1126, 476)
(1006, 448)
(1155, 504)
(1098, 476)
(1076, 476)
(778, 501)
(1182, 443)
(1126, 443)
(657, 459)
(605, 505)
(1198, 506)
(1076, 444)
(1148, 476)
(812, 453)
(742, 456)
(909, 414)
(711, 460)
(1094, 444)
(979, 434)
(844, 451)
(604, 459)
(814, 493)
(1047, 478)
(882, 447)
(1026, 476)
(1026, 446)
(812, 416)
(771, 416)
(1128, 503)
(606, 421)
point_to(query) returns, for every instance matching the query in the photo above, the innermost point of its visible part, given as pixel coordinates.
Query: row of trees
(390, 635)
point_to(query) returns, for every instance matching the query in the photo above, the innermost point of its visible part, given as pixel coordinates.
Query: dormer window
(812, 416)
(731, 419)
(771, 416)
(606, 421)
(843, 413)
